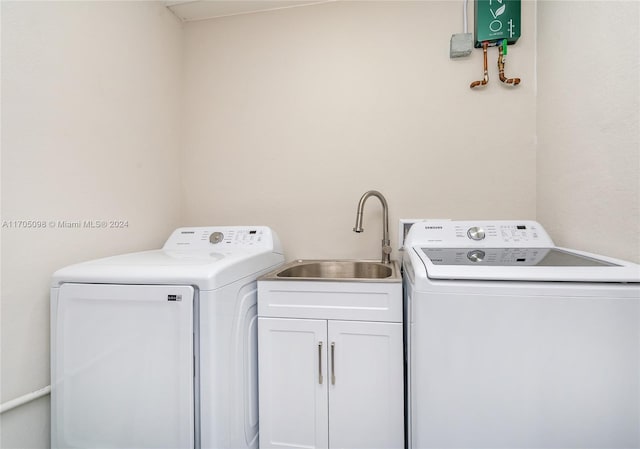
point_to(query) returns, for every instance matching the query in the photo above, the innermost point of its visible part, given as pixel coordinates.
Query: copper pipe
(501, 62)
(485, 78)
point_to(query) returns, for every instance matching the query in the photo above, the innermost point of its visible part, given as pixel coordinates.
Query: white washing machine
(158, 349)
(515, 343)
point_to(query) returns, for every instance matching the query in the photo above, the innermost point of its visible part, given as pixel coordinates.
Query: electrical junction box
(496, 20)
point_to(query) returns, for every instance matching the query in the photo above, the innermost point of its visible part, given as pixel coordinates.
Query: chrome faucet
(386, 245)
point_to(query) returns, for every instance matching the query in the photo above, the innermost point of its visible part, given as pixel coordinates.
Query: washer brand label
(174, 297)
(433, 227)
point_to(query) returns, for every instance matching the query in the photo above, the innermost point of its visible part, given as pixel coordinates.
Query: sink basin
(337, 270)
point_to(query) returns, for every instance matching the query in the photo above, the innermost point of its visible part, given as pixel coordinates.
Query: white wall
(588, 115)
(291, 115)
(90, 130)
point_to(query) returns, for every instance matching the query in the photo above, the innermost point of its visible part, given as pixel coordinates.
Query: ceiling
(189, 10)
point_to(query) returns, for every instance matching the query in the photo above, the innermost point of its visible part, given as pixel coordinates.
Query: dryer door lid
(123, 366)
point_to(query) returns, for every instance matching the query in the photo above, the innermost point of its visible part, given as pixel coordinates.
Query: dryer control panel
(223, 238)
(479, 234)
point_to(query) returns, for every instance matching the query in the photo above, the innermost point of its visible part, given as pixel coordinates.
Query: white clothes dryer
(515, 343)
(158, 349)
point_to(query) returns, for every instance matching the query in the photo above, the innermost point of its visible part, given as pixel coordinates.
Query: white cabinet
(367, 394)
(329, 383)
(292, 371)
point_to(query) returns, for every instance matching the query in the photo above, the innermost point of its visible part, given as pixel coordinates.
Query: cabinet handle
(333, 363)
(320, 363)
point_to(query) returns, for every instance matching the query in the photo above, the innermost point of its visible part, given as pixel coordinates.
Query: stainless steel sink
(337, 270)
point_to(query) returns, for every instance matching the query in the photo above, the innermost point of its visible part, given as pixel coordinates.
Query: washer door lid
(525, 264)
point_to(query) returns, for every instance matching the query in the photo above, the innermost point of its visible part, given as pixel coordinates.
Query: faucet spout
(386, 245)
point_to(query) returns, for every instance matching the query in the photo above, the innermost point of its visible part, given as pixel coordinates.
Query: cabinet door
(292, 356)
(366, 389)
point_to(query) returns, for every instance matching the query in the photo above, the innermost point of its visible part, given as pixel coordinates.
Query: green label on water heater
(496, 20)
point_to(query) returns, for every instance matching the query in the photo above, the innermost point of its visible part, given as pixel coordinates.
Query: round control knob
(476, 255)
(216, 237)
(475, 233)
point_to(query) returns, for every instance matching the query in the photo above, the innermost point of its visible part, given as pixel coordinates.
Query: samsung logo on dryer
(433, 227)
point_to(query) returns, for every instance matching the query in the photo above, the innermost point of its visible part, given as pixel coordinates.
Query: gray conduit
(17, 402)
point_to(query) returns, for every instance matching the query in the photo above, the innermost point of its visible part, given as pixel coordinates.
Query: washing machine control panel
(506, 233)
(221, 238)
(482, 234)
(499, 234)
